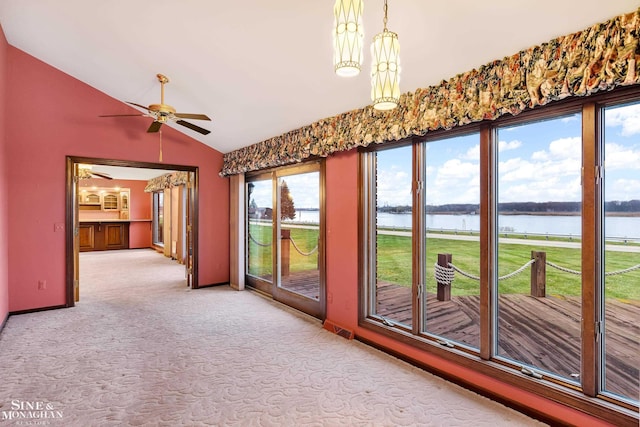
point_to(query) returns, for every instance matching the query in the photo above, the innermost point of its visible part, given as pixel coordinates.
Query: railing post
(444, 289)
(285, 250)
(539, 274)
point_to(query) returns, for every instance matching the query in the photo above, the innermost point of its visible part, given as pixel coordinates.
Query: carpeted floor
(142, 349)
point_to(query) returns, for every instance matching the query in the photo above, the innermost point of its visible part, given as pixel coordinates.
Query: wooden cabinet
(102, 236)
(112, 200)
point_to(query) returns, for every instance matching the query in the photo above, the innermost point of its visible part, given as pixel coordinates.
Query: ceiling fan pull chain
(160, 146)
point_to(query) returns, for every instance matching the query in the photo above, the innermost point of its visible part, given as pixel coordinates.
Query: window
(452, 239)
(539, 228)
(621, 248)
(513, 247)
(393, 273)
(406, 250)
(158, 218)
(260, 229)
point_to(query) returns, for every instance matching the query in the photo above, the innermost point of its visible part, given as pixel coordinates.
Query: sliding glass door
(285, 223)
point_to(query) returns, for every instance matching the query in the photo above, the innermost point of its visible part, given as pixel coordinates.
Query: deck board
(541, 332)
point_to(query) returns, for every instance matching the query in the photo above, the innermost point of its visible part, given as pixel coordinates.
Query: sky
(304, 188)
(537, 162)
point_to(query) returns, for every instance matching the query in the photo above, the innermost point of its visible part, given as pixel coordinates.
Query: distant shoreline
(617, 214)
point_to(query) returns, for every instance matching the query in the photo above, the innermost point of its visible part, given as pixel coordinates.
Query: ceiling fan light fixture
(347, 37)
(385, 69)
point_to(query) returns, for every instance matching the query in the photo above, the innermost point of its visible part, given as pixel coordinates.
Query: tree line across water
(539, 208)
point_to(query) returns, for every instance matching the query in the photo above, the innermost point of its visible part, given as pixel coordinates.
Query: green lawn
(260, 263)
(394, 263)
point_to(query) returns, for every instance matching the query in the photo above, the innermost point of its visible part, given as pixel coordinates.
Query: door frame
(72, 267)
(299, 302)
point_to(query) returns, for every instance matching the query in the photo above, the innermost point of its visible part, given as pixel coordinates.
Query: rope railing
(253, 239)
(626, 270)
(578, 273)
(565, 269)
(518, 271)
(300, 251)
(445, 275)
(297, 248)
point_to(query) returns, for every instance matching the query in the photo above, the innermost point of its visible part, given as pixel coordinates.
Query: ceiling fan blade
(101, 175)
(138, 105)
(122, 115)
(193, 127)
(191, 116)
(155, 127)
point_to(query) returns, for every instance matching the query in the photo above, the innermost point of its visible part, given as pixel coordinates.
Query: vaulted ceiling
(261, 68)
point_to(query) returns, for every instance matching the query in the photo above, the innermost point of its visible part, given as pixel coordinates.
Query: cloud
(627, 118)
(621, 157)
(394, 187)
(551, 174)
(510, 145)
(455, 181)
(473, 153)
(622, 189)
(262, 191)
(570, 119)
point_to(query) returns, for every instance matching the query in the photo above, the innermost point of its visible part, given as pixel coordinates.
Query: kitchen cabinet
(103, 235)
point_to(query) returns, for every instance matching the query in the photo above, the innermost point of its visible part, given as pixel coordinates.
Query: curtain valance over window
(168, 180)
(600, 58)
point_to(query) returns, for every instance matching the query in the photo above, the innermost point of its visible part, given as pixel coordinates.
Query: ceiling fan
(162, 113)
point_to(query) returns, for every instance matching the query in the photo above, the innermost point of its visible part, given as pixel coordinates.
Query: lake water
(620, 227)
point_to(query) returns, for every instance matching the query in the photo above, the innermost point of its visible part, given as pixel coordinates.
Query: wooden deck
(540, 332)
(306, 283)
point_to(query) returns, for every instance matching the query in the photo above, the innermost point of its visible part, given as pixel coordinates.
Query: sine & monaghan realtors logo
(30, 412)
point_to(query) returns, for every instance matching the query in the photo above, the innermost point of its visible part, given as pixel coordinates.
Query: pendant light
(385, 70)
(347, 37)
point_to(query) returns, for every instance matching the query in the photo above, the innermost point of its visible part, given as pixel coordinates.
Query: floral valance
(600, 58)
(168, 180)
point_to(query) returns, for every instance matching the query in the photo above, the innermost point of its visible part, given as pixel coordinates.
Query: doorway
(77, 235)
(285, 236)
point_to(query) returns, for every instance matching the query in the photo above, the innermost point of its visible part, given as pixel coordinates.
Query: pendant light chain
(384, 20)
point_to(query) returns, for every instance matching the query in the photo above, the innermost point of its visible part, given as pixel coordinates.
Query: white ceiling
(261, 68)
(121, 172)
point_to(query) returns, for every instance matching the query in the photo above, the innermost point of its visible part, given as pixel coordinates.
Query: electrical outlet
(42, 285)
(58, 226)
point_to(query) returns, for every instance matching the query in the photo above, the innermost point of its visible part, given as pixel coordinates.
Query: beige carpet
(142, 349)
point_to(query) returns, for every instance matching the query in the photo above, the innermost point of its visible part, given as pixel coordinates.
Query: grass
(260, 261)
(394, 264)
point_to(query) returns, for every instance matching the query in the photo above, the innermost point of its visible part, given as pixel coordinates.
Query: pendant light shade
(385, 69)
(347, 37)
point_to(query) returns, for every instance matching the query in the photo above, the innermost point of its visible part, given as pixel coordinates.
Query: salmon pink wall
(4, 226)
(341, 182)
(342, 291)
(54, 115)
(139, 208)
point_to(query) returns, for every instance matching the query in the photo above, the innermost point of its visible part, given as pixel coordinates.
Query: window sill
(598, 407)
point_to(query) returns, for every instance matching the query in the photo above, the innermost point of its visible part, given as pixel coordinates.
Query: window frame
(589, 397)
(157, 210)
(316, 308)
